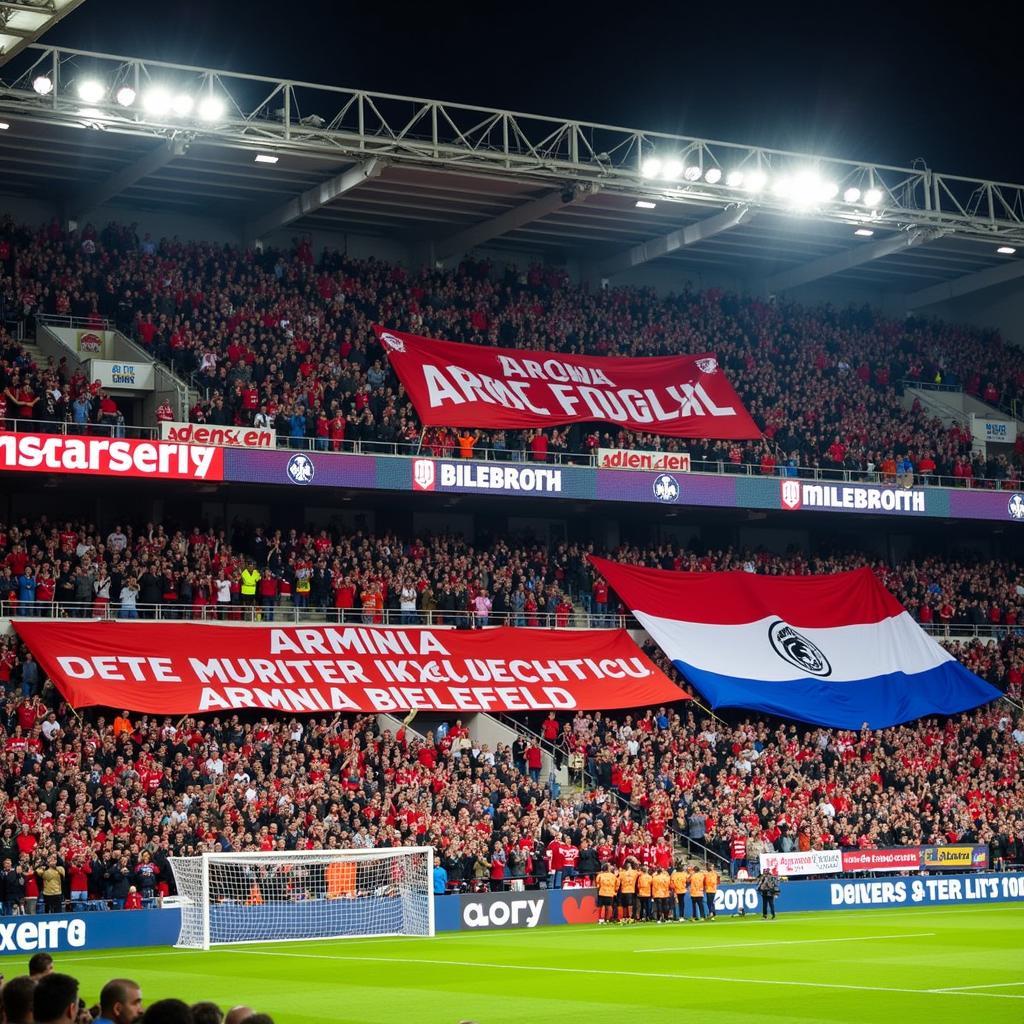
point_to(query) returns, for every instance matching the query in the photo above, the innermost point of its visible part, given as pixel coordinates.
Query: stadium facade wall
(77, 933)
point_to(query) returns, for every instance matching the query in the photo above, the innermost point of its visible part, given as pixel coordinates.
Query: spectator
(55, 1000)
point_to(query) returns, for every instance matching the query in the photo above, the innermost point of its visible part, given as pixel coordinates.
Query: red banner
(897, 858)
(183, 668)
(107, 456)
(455, 385)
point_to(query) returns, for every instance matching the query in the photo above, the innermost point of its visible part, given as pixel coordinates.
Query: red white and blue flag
(836, 650)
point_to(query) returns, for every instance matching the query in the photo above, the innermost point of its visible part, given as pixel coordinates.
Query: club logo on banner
(190, 667)
(795, 648)
(666, 488)
(300, 470)
(807, 862)
(458, 385)
(1015, 507)
(423, 475)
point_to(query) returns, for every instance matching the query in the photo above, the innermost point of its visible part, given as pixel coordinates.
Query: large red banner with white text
(457, 385)
(184, 668)
(108, 456)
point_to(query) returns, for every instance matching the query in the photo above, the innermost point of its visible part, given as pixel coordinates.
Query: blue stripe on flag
(879, 701)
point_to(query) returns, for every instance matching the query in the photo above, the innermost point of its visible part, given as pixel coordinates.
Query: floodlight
(713, 176)
(828, 191)
(1006, 250)
(851, 195)
(645, 204)
(265, 158)
(734, 179)
(125, 96)
(182, 104)
(756, 181)
(157, 101)
(4, 126)
(211, 108)
(651, 167)
(91, 91)
(672, 168)
(692, 173)
(42, 85)
(864, 232)
(873, 197)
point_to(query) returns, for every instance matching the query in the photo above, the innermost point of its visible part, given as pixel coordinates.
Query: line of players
(633, 893)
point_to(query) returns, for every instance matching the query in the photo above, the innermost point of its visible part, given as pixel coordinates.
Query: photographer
(768, 886)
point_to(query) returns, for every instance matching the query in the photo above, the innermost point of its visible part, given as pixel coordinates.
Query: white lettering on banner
(103, 455)
(134, 376)
(920, 890)
(500, 478)
(807, 862)
(517, 913)
(867, 499)
(627, 458)
(40, 934)
(570, 386)
(234, 437)
(736, 899)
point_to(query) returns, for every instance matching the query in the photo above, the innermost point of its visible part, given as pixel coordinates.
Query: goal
(283, 896)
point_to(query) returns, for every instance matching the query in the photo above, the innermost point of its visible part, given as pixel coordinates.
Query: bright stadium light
(42, 85)
(91, 91)
(828, 191)
(734, 179)
(672, 168)
(651, 167)
(182, 104)
(851, 195)
(211, 108)
(1006, 250)
(864, 232)
(873, 197)
(713, 176)
(692, 173)
(756, 181)
(265, 158)
(4, 126)
(125, 96)
(157, 101)
(645, 204)
(783, 187)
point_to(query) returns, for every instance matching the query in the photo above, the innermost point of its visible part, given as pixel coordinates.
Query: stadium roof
(447, 178)
(24, 21)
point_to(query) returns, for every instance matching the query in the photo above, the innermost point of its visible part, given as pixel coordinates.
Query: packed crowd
(75, 568)
(283, 339)
(95, 804)
(46, 996)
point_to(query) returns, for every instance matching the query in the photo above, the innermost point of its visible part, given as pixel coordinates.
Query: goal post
(290, 896)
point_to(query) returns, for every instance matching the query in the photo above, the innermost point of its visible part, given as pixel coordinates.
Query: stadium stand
(281, 336)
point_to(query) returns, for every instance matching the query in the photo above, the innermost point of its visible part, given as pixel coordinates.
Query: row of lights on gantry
(804, 188)
(156, 100)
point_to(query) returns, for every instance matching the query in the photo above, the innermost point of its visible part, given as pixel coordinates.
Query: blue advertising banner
(74, 933)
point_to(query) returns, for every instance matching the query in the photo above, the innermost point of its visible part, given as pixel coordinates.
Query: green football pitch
(859, 966)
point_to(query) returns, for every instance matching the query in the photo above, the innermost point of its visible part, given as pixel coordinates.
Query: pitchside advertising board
(476, 912)
(898, 858)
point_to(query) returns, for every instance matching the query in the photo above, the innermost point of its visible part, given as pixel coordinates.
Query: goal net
(316, 894)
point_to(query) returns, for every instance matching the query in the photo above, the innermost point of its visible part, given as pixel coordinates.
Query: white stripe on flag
(897, 644)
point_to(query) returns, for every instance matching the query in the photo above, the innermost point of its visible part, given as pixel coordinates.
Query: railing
(97, 323)
(412, 449)
(290, 610)
(285, 610)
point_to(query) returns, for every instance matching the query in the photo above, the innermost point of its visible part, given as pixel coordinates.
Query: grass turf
(906, 966)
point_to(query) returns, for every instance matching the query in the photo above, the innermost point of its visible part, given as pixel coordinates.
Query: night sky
(885, 83)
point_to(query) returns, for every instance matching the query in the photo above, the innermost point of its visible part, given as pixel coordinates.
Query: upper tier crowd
(284, 339)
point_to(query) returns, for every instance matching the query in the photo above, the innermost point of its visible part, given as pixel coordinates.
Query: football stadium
(468, 566)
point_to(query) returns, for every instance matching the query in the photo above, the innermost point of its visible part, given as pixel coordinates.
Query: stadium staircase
(58, 337)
